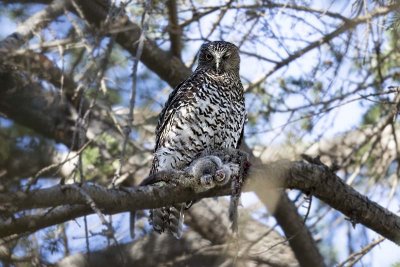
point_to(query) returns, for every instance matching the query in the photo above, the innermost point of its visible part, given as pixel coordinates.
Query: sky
(384, 255)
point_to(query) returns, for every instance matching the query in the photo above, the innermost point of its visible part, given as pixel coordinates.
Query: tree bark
(310, 178)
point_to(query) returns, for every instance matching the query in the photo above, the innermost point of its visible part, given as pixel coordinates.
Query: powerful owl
(206, 111)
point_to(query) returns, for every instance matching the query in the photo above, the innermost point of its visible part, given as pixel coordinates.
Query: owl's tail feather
(168, 219)
(176, 217)
(159, 219)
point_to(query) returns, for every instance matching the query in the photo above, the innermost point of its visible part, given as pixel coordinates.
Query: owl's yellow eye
(209, 56)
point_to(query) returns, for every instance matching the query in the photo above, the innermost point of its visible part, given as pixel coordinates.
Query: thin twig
(128, 128)
(355, 257)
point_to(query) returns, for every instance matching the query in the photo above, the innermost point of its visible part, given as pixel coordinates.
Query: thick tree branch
(173, 71)
(310, 178)
(287, 216)
(27, 103)
(174, 29)
(295, 231)
(50, 113)
(320, 181)
(32, 223)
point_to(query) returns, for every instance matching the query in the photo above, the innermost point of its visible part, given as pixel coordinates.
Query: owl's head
(220, 57)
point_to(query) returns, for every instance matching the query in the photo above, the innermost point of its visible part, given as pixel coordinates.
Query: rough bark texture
(310, 178)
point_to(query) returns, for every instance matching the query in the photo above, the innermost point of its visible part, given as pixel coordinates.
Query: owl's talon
(220, 175)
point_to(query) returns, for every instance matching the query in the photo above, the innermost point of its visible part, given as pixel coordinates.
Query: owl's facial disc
(219, 56)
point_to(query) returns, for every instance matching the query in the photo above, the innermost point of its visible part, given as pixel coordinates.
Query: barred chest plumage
(211, 114)
(205, 111)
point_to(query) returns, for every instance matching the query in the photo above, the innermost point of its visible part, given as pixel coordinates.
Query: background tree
(81, 86)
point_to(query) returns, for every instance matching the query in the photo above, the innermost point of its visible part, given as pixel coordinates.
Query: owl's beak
(217, 63)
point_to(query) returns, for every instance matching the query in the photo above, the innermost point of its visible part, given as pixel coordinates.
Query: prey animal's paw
(220, 176)
(225, 173)
(207, 181)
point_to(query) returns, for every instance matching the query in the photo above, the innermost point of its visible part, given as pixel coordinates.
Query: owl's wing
(242, 132)
(240, 139)
(182, 94)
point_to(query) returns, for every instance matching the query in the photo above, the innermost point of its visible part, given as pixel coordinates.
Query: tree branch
(257, 243)
(42, 67)
(296, 232)
(310, 178)
(346, 25)
(173, 71)
(27, 103)
(174, 29)
(287, 216)
(26, 30)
